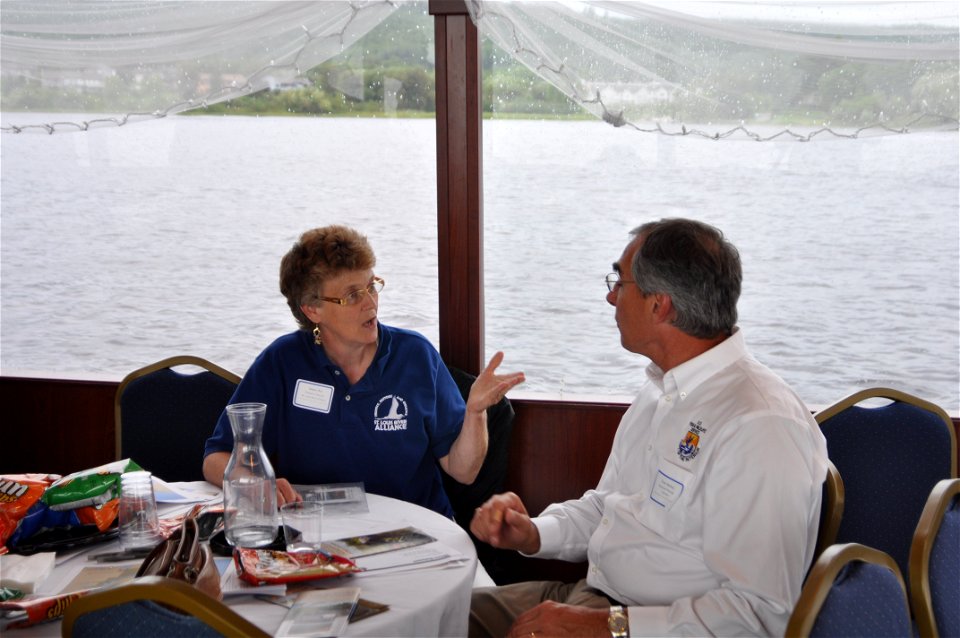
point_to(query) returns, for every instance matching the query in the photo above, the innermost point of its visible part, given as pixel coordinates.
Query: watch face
(617, 622)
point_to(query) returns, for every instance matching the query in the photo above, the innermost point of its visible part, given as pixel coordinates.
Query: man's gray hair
(693, 263)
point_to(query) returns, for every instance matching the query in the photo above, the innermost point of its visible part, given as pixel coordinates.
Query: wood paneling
(558, 451)
(56, 426)
(459, 186)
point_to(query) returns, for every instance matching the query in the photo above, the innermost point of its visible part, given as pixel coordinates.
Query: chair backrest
(852, 591)
(164, 417)
(890, 457)
(831, 510)
(935, 563)
(142, 609)
(466, 498)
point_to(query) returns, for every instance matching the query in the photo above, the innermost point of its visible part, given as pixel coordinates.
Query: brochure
(337, 498)
(420, 557)
(369, 544)
(319, 613)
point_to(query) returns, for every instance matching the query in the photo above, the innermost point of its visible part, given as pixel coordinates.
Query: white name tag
(666, 490)
(313, 396)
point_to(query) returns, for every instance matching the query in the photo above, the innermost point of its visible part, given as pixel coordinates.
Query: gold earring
(316, 335)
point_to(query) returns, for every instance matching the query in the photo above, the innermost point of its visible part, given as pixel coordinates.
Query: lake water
(124, 246)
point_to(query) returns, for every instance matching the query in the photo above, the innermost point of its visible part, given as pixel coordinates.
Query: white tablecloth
(430, 601)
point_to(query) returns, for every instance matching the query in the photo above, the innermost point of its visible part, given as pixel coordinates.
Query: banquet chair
(831, 510)
(164, 416)
(889, 457)
(935, 563)
(852, 591)
(142, 609)
(466, 498)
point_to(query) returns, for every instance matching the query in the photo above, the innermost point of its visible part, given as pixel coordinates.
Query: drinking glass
(139, 524)
(302, 523)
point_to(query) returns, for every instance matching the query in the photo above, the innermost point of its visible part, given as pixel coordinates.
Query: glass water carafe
(250, 517)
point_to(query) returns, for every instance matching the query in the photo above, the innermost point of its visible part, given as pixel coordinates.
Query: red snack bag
(18, 493)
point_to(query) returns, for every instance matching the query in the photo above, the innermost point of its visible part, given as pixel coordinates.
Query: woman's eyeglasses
(355, 297)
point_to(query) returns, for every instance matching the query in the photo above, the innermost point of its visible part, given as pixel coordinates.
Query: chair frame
(834, 510)
(167, 591)
(927, 528)
(824, 573)
(170, 362)
(894, 395)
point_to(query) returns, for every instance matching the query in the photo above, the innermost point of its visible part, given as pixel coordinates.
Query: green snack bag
(95, 486)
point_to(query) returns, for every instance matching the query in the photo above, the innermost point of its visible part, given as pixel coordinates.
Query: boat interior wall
(459, 193)
(557, 448)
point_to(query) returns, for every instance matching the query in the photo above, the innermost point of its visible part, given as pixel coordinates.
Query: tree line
(390, 71)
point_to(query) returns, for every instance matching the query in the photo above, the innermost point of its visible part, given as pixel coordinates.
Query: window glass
(850, 248)
(125, 245)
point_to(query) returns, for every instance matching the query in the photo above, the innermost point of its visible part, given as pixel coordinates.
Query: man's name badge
(666, 490)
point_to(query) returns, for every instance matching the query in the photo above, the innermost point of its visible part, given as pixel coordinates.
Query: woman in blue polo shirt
(350, 399)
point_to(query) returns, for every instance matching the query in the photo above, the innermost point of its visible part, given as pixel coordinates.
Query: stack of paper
(434, 554)
(26, 573)
(397, 549)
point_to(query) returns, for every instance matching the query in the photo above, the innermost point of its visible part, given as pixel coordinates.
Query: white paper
(193, 492)
(320, 613)
(420, 556)
(26, 573)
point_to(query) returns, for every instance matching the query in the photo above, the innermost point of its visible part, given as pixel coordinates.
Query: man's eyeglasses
(355, 297)
(613, 281)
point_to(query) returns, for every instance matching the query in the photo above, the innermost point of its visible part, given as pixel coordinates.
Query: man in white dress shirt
(705, 518)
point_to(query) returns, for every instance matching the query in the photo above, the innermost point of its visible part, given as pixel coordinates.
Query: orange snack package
(18, 493)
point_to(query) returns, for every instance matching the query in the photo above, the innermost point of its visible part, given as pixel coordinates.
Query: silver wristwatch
(618, 623)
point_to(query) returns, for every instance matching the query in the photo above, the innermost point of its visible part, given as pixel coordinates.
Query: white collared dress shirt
(705, 518)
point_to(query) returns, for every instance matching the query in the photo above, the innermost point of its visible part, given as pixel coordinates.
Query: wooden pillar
(459, 185)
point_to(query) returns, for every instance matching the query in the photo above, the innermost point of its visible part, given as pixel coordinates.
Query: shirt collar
(380, 359)
(687, 376)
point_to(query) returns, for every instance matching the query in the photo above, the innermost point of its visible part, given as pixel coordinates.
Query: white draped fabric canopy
(764, 71)
(147, 59)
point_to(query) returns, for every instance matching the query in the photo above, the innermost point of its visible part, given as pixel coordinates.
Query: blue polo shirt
(387, 430)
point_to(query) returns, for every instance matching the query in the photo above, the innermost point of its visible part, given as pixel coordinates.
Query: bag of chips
(18, 493)
(39, 512)
(95, 486)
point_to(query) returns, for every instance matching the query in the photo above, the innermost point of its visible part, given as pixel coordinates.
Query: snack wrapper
(18, 494)
(95, 486)
(39, 609)
(268, 566)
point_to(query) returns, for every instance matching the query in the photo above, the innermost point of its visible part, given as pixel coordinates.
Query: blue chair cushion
(141, 619)
(167, 417)
(865, 601)
(944, 572)
(889, 458)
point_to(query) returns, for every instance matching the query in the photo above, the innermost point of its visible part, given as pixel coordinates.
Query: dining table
(423, 599)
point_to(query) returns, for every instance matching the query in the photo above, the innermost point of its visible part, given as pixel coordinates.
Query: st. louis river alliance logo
(396, 413)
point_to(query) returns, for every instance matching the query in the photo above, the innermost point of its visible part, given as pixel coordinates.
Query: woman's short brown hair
(318, 255)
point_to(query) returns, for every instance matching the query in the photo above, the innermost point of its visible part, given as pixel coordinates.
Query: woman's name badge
(313, 396)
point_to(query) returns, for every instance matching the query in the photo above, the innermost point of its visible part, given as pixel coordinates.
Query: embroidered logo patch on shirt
(690, 445)
(390, 413)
